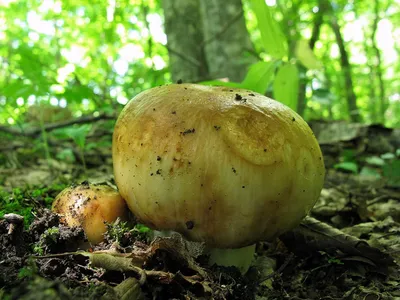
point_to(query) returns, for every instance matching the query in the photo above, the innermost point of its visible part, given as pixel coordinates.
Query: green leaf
(392, 172)
(347, 166)
(259, 76)
(78, 134)
(375, 161)
(142, 228)
(286, 85)
(388, 156)
(348, 155)
(66, 155)
(18, 89)
(370, 172)
(272, 37)
(306, 56)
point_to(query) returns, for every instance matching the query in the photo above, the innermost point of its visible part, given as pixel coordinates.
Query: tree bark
(372, 93)
(378, 66)
(318, 21)
(207, 40)
(354, 112)
(227, 43)
(185, 34)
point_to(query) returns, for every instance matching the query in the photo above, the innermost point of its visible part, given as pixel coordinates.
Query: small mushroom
(14, 220)
(90, 206)
(254, 178)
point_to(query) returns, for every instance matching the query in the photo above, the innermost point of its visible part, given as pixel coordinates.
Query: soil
(348, 248)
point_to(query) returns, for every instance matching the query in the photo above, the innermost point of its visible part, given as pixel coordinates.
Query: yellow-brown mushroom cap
(225, 166)
(90, 206)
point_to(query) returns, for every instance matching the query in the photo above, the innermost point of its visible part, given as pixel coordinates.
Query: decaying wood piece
(318, 236)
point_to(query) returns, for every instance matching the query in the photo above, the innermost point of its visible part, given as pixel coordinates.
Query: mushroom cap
(228, 167)
(90, 206)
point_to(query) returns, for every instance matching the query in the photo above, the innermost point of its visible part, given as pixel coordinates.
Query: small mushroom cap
(13, 218)
(90, 206)
(224, 166)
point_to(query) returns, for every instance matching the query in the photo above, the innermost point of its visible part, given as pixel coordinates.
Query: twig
(281, 268)
(50, 127)
(223, 29)
(188, 59)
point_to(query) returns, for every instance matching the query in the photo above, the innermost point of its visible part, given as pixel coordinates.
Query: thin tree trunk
(227, 42)
(372, 93)
(185, 34)
(378, 67)
(328, 85)
(318, 21)
(346, 68)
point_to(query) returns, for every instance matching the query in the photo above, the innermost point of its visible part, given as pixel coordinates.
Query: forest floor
(348, 247)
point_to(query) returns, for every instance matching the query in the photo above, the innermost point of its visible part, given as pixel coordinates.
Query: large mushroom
(228, 167)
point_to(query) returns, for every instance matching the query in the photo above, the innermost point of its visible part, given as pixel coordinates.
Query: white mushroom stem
(14, 220)
(240, 258)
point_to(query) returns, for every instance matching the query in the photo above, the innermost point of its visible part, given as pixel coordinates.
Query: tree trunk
(319, 17)
(207, 39)
(372, 93)
(346, 68)
(185, 34)
(378, 67)
(227, 42)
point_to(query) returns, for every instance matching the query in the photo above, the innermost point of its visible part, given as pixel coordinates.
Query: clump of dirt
(13, 249)
(45, 236)
(44, 262)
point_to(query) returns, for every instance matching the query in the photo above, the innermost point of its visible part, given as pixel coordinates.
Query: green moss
(48, 237)
(24, 201)
(117, 231)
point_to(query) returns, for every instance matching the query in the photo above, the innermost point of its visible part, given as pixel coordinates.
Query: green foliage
(391, 169)
(25, 273)
(86, 55)
(370, 172)
(347, 166)
(273, 39)
(335, 261)
(15, 202)
(38, 249)
(385, 166)
(49, 237)
(306, 56)
(91, 57)
(23, 202)
(118, 230)
(78, 134)
(142, 229)
(375, 161)
(286, 85)
(29, 270)
(348, 162)
(259, 77)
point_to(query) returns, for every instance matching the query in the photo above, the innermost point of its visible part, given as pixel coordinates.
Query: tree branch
(50, 127)
(188, 59)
